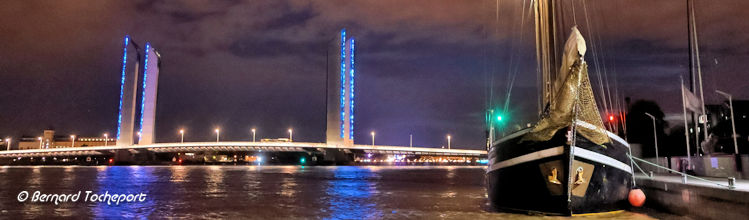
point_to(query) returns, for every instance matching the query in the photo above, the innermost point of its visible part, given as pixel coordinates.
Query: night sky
(423, 65)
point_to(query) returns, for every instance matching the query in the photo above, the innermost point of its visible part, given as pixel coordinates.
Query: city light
(106, 139)
(182, 135)
(291, 135)
(343, 81)
(122, 83)
(143, 95)
(218, 133)
(351, 91)
(8, 142)
(373, 136)
(448, 141)
(253, 134)
(72, 137)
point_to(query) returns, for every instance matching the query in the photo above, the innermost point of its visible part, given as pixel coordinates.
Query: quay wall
(695, 201)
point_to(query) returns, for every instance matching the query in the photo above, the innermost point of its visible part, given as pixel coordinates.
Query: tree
(640, 127)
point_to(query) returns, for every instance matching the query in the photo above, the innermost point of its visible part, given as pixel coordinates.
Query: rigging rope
(513, 70)
(599, 62)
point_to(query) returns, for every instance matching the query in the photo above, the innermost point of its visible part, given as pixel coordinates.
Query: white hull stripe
(579, 152)
(527, 158)
(611, 135)
(511, 136)
(597, 157)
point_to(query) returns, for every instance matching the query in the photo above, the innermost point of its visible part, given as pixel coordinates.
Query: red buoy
(636, 197)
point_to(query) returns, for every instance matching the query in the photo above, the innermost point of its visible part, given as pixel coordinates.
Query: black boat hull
(520, 176)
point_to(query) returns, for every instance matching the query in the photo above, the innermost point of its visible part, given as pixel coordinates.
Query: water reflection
(255, 192)
(33, 184)
(124, 180)
(349, 194)
(214, 182)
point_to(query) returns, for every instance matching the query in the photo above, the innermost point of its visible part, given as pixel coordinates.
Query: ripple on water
(272, 192)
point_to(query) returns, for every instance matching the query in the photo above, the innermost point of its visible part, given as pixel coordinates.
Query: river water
(259, 192)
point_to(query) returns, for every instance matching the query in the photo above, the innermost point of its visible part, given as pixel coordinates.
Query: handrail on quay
(684, 175)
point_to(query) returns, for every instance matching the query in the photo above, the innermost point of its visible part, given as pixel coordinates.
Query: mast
(695, 40)
(691, 71)
(545, 47)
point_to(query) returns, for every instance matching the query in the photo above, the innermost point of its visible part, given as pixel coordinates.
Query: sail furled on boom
(573, 100)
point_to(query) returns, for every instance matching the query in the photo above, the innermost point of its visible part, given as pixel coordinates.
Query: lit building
(49, 140)
(719, 124)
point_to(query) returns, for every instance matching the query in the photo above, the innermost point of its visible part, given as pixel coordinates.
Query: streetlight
(733, 125)
(217, 134)
(8, 140)
(291, 135)
(655, 136)
(40, 142)
(448, 141)
(253, 134)
(373, 134)
(72, 137)
(106, 139)
(181, 135)
(411, 140)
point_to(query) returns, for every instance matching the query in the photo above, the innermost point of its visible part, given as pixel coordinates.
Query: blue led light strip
(343, 81)
(122, 83)
(351, 87)
(143, 96)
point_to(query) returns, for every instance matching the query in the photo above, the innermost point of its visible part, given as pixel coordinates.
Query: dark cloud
(291, 19)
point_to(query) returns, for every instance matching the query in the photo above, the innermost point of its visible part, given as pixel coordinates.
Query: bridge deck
(239, 146)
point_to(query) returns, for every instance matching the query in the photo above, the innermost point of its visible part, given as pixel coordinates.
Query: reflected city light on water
(257, 192)
(349, 193)
(120, 180)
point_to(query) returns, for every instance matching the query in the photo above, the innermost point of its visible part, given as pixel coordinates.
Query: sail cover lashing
(572, 89)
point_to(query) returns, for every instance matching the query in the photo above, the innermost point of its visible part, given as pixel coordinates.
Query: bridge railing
(235, 144)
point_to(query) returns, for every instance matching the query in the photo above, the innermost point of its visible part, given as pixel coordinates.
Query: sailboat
(566, 163)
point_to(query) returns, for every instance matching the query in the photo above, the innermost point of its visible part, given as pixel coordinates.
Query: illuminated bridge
(302, 149)
(242, 147)
(137, 115)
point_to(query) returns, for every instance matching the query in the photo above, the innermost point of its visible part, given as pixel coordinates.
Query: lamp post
(218, 132)
(40, 142)
(448, 141)
(253, 135)
(8, 142)
(181, 135)
(655, 137)
(373, 134)
(410, 140)
(106, 139)
(733, 125)
(291, 135)
(72, 138)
